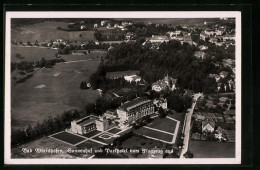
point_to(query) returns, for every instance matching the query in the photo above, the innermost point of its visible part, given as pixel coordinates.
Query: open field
(203, 149)
(32, 53)
(104, 137)
(114, 130)
(165, 124)
(180, 117)
(117, 74)
(89, 144)
(46, 31)
(155, 134)
(43, 143)
(68, 137)
(50, 91)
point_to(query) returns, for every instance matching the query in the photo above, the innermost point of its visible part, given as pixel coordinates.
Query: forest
(171, 58)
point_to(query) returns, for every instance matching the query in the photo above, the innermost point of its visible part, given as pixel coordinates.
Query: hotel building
(135, 109)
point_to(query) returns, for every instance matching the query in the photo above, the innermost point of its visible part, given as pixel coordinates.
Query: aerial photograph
(132, 88)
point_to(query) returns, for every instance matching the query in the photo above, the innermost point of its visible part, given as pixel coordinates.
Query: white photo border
(122, 14)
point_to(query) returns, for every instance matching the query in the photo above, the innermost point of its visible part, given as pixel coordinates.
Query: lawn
(139, 143)
(116, 74)
(44, 142)
(46, 31)
(89, 144)
(68, 137)
(204, 149)
(180, 117)
(107, 141)
(154, 134)
(114, 130)
(93, 56)
(92, 133)
(165, 124)
(36, 54)
(50, 91)
(32, 53)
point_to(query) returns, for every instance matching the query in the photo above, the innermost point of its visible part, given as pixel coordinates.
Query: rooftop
(134, 103)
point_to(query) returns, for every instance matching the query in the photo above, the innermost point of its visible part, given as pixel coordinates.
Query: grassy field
(68, 137)
(180, 117)
(107, 141)
(114, 130)
(165, 124)
(43, 143)
(46, 31)
(155, 134)
(32, 53)
(203, 149)
(92, 133)
(58, 90)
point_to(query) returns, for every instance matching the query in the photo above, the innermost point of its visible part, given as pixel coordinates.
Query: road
(188, 125)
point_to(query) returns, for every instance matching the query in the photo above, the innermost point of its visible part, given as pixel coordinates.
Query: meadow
(50, 91)
(47, 30)
(32, 53)
(204, 149)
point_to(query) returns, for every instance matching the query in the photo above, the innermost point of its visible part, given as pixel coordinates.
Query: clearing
(47, 30)
(61, 93)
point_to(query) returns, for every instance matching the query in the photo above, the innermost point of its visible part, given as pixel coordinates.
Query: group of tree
(172, 58)
(48, 126)
(142, 29)
(110, 35)
(83, 85)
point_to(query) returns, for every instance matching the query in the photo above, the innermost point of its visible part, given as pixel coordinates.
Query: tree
(161, 113)
(188, 154)
(210, 85)
(89, 108)
(175, 102)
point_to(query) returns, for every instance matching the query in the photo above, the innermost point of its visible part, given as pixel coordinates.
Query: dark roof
(205, 122)
(86, 121)
(225, 125)
(133, 103)
(230, 112)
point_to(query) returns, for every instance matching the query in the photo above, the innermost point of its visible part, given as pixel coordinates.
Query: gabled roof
(165, 81)
(157, 37)
(205, 122)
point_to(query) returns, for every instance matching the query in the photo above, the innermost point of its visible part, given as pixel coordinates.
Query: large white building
(135, 109)
(89, 123)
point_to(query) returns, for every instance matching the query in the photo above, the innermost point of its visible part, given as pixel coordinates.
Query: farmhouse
(208, 126)
(132, 78)
(223, 74)
(203, 36)
(203, 47)
(187, 39)
(159, 39)
(133, 110)
(199, 54)
(164, 83)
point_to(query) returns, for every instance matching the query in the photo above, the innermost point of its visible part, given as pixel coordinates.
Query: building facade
(89, 123)
(133, 110)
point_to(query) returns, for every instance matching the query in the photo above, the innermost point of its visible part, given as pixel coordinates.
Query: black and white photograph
(123, 87)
